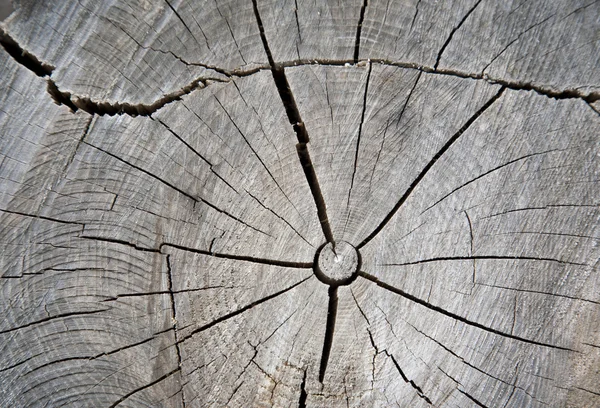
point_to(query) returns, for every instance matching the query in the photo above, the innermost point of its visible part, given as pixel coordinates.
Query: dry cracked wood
(293, 203)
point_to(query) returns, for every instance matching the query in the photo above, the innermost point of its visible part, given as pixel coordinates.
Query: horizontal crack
(455, 316)
(484, 257)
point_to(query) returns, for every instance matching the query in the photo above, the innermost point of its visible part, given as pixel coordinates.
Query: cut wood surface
(300, 203)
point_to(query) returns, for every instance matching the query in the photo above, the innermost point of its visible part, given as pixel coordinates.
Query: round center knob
(337, 266)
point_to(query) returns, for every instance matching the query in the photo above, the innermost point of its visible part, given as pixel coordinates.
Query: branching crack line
(150, 384)
(429, 165)
(172, 186)
(280, 217)
(329, 331)
(361, 19)
(293, 113)
(174, 316)
(527, 156)
(455, 316)
(437, 61)
(485, 257)
(51, 318)
(418, 389)
(240, 311)
(286, 264)
(197, 153)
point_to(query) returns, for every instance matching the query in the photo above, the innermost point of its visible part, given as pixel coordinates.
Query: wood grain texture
(170, 172)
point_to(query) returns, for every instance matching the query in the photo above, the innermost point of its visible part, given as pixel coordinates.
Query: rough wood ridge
(300, 204)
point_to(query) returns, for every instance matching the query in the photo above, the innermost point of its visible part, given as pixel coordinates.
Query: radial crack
(329, 331)
(240, 311)
(484, 257)
(273, 262)
(429, 165)
(150, 384)
(186, 194)
(360, 128)
(293, 113)
(485, 174)
(455, 316)
(437, 61)
(361, 19)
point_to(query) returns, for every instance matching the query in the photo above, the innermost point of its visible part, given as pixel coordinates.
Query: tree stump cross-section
(300, 204)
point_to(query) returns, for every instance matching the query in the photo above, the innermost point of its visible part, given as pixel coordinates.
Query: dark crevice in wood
(539, 292)
(59, 97)
(478, 403)
(164, 292)
(120, 242)
(241, 310)
(360, 127)
(359, 308)
(41, 217)
(588, 391)
(315, 188)
(592, 345)
(375, 354)
(329, 331)
(455, 316)
(515, 40)
(461, 22)
(172, 186)
(459, 357)
(109, 108)
(51, 318)
(150, 384)
(253, 150)
(174, 315)
(405, 378)
(197, 153)
(410, 94)
(429, 165)
(280, 217)
(303, 393)
(10, 367)
(361, 19)
(24, 57)
(297, 24)
(272, 262)
(286, 264)
(263, 36)
(485, 174)
(293, 114)
(485, 257)
(515, 85)
(418, 389)
(412, 23)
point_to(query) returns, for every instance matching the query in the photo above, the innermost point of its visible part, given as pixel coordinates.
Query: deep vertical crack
(174, 316)
(429, 165)
(293, 114)
(361, 19)
(303, 394)
(329, 331)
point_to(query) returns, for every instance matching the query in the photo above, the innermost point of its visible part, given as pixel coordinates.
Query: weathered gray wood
(171, 171)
